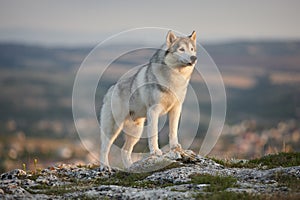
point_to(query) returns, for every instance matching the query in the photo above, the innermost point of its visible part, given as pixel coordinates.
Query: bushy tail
(108, 127)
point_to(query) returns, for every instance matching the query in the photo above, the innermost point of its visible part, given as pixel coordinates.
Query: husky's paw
(127, 163)
(176, 147)
(156, 152)
(105, 168)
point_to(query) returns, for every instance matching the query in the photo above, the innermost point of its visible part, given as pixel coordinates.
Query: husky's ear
(193, 36)
(171, 37)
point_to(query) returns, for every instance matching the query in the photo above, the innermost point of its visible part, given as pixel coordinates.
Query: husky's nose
(193, 59)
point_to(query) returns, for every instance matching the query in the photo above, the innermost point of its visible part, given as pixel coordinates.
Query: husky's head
(181, 51)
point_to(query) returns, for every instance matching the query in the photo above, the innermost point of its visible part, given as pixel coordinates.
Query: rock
(179, 156)
(120, 192)
(167, 177)
(13, 174)
(50, 180)
(152, 163)
(186, 187)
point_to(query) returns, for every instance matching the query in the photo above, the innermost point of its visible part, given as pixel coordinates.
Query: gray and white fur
(156, 89)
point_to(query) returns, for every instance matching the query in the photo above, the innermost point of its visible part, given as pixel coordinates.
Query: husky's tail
(108, 127)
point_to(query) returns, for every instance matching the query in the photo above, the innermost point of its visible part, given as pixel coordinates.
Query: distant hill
(267, 48)
(261, 78)
(20, 55)
(244, 52)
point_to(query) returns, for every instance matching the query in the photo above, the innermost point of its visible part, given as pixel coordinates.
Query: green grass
(216, 183)
(123, 178)
(270, 161)
(277, 160)
(129, 179)
(217, 188)
(224, 195)
(289, 181)
(219, 184)
(52, 190)
(86, 197)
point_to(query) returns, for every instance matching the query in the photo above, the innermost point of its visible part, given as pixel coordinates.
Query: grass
(289, 181)
(219, 184)
(123, 178)
(281, 159)
(224, 195)
(129, 179)
(270, 161)
(86, 197)
(216, 183)
(217, 188)
(52, 190)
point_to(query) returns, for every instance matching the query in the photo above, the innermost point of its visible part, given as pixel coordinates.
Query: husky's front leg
(152, 118)
(174, 116)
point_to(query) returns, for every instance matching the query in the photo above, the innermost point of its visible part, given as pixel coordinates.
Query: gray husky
(157, 88)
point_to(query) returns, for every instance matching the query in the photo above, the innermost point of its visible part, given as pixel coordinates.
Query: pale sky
(77, 22)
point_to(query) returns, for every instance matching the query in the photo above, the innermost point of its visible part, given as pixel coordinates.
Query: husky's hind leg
(108, 136)
(109, 128)
(133, 131)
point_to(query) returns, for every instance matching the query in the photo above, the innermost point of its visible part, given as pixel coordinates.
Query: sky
(74, 22)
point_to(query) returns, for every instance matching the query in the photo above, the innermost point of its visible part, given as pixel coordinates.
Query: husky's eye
(192, 49)
(181, 49)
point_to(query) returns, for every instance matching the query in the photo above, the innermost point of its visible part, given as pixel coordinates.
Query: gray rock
(120, 192)
(16, 173)
(77, 182)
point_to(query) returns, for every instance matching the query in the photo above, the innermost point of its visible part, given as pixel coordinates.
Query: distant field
(16, 150)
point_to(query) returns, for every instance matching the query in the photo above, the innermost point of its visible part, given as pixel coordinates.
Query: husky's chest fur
(157, 83)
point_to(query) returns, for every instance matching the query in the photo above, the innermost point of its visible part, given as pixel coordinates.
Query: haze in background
(89, 22)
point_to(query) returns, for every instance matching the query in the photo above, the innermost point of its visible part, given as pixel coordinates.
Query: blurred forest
(262, 82)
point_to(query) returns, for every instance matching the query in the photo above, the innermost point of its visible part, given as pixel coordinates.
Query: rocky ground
(175, 175)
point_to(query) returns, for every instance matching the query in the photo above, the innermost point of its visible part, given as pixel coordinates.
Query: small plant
(24, 167)
(35, 161)
(36, 169)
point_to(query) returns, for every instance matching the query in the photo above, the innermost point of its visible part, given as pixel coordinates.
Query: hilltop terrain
(175, 175)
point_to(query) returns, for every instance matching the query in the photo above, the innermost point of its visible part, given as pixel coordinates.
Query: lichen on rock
(178, 174)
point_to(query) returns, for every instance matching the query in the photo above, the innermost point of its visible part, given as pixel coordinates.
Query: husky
(156, 89)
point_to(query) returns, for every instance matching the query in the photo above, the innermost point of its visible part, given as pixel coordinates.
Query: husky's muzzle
(193, 60)
(187, 60)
